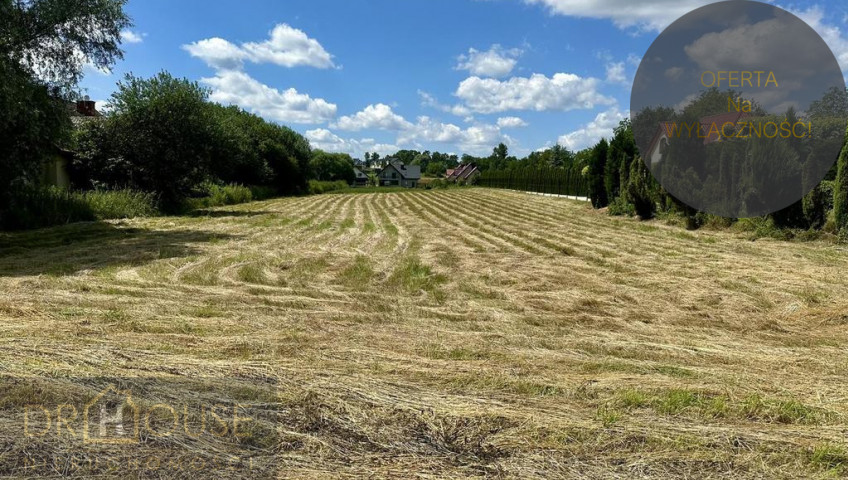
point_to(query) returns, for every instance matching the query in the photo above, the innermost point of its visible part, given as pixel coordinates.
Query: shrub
(117, 204)
(433, 183)
(45, 207)
(317, 187)
(263, 193)
(214, 195)
(818, 203)
(763, 227)
(840, 191)
(619, 206)
(639, 190)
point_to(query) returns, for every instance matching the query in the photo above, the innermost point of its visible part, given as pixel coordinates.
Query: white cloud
(616, 73)
(601, 127)
(428, 100)
(233, 87)
(496, 62)
(562, 92)
(128, 36)
(655, 15)
(643, 14)
(674, 73)
(217, 53)
(378, 116)
(328, 141)
(477, 139)
(511, 122)
(831, 34)
(287, 47)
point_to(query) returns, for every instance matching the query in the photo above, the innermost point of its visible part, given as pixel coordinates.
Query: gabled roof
(411, 172)
(462, 172)
(663, 130)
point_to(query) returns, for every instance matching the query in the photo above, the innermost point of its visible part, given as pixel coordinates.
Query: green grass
(414, 276)
(692, 403)
(829, 457)
(359, 274)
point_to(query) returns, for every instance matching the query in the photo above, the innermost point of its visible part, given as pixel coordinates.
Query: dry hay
(461, 333)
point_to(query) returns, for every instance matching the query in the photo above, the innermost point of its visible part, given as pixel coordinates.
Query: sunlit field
(455, 333)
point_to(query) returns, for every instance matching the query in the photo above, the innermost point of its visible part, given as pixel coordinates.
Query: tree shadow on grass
(229, 213)
(74, 248)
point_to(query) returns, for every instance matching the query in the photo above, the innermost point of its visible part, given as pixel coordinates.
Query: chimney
(86, 107)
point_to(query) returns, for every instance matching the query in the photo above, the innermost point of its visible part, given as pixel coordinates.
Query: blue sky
(455, 76)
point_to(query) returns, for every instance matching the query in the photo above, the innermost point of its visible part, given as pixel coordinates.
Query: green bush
(117, 204)
(818, 204)
(840, 191)
(639, 190)
(620, 207)
(214, 195)
(263, 193)
(763, 227)
(45, 207)
(317, 187)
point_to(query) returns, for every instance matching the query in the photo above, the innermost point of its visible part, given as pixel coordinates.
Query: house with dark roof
(361, 178)
(400, 175)
(464, 173)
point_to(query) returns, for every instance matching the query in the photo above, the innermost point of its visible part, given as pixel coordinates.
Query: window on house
(394, 175)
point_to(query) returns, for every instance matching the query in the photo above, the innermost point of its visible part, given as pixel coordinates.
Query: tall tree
(840, 193)
(44, 45)
(55, 39)
(597, 168)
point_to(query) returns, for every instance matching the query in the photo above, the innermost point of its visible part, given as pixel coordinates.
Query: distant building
(467, 173)
(361, 179)
(711, 131)
(55, 169)
(398, 174)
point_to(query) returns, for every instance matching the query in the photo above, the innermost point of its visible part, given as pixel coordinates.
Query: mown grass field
(442, 334)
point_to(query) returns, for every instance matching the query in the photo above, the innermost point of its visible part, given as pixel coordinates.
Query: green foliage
(214, 195)
(55, 39)
(331, 167)
(818, 204)
(163, 136)
(622, 151)
(317, 187)
(159, 138)
(596, 176)
(435, 183)
(118, 204)
(840, 191)
(640, 189)
(621, 207)
(31, 125)
(559, 181)
(833, 104)
(44, 45)
(44, 207)
(240, 143)
(262, 192)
